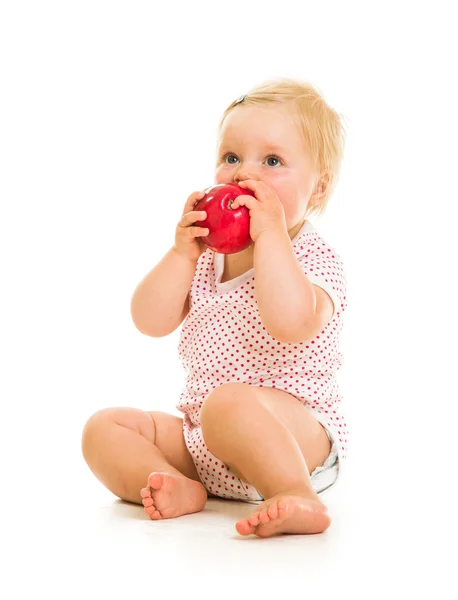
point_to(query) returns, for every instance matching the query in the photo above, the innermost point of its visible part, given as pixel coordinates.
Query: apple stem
(229, 204)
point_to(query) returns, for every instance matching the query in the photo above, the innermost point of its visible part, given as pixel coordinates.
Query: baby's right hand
(187, 242)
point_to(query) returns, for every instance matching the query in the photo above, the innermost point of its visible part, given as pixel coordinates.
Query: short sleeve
(325, 269)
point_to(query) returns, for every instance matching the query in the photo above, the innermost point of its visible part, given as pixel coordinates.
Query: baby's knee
(94, 428)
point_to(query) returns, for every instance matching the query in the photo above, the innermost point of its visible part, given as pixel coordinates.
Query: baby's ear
(322, 183)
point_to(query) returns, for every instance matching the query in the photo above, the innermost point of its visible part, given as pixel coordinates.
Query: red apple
(229, 229)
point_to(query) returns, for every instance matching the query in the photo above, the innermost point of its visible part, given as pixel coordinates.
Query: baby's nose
(245, 174)
(246, 170)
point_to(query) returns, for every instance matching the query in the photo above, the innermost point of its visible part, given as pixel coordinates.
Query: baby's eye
(274, 158)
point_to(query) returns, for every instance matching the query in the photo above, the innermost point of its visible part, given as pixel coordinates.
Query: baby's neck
(240, 262)
(295, 230)
(245, 257)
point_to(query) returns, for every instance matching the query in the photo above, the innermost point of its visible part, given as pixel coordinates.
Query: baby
(260, 340)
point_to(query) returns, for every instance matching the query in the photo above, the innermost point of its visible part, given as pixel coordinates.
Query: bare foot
(288, 512)
(167, 496)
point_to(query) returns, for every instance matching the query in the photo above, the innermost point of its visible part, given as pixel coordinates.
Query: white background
(108, 122)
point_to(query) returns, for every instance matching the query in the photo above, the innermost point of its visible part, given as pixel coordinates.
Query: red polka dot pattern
(223, 340)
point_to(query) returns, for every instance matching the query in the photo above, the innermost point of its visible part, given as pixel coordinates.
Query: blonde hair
(321, 126)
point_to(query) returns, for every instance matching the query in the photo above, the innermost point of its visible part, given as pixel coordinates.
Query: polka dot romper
(223, 340)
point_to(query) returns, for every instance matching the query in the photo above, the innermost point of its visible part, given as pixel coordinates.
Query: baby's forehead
(244, 115)
(273, 129)
(264, 143)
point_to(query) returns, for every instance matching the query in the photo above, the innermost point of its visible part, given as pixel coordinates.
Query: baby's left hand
(266, 210)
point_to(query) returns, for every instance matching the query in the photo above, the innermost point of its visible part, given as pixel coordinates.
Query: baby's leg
(142, 457)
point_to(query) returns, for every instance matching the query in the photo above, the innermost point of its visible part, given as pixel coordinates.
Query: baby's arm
(160, 301)
(285, 296)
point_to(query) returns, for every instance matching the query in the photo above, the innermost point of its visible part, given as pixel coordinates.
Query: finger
(192, 201)
(243, 200)
(193, 231)
(192, 216)
(194, 197)
(198, 231)
(248, 183)
(257, 187)
(202, 193)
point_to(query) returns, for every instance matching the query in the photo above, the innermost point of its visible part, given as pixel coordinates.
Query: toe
(155, 481)
(283, 507)
(244, 527)
(273, 510)
(145, 493)
(254, 519)
(148, 501)
(264, 517)
(152, 512)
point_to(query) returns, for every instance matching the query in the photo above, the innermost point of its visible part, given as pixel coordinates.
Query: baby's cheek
(291, 210)
(223, 174)
(294, 207)
(218, 177)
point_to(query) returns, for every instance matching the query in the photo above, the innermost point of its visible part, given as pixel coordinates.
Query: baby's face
(265, 144)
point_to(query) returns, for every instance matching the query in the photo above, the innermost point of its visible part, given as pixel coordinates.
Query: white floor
(81, 542)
